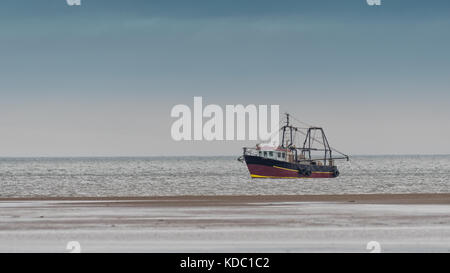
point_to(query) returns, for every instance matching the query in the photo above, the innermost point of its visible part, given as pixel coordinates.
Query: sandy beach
(295, 223)
(212, 200)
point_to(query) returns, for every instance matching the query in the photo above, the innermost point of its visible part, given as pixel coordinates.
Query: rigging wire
(304, 123)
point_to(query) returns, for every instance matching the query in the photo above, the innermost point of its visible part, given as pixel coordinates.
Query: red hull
(263, 171)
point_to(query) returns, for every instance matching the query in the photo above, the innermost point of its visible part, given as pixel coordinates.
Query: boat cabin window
(272, 154)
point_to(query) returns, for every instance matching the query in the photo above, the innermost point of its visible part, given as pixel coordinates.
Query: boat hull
(260, 167)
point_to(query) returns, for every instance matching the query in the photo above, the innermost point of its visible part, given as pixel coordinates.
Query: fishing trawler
(313, 159)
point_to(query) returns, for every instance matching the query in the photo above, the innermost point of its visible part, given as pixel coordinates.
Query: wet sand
(297, 223)
(211, 200)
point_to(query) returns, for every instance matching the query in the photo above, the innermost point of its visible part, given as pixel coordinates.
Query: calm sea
(162, 176)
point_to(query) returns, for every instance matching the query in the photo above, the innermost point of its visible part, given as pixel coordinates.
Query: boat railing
(251, 151)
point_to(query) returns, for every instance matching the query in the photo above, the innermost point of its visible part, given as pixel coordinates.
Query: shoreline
(408, 198)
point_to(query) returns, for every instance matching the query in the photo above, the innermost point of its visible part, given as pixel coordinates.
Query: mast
(290, 128)
(284, 132)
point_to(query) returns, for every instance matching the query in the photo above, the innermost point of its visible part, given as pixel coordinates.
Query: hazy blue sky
(101, 79)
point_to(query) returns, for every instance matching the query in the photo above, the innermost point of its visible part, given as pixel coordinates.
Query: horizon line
(155, 156)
